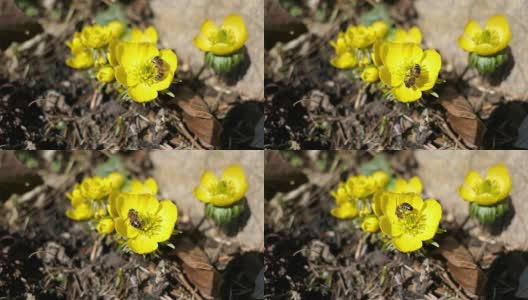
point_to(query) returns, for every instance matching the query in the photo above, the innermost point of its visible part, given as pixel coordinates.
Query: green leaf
(113, 12)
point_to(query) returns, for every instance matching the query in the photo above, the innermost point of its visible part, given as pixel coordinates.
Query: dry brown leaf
(461, 117)
(461, 266)
(197, 117)
(15, 177)
(197, 267)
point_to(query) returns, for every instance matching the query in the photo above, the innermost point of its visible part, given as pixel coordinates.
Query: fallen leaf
(197, 267)
(461, 117)
(15, 26)
(461, 266)
(197, 117)
(15, 177)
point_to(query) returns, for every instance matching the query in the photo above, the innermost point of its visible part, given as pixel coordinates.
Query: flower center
(223, 36)
(413, 222)
(224, 188)
(487, 37)
(487, 187)
(148, 224)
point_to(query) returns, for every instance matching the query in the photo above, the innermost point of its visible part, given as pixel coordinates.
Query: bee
(161, 67)
(402, 208)
(134, 218)
(414, 74)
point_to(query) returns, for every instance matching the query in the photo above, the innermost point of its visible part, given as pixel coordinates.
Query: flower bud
(105, 74)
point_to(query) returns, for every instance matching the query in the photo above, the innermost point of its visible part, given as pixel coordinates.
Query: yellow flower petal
(168, 214)
(124, 229)
(500, 175)
(235, 23)
(80, 213)
(105, 74)
(472, 29)
(370, 74)
(499, 24)
(143, 203)
(105, 226)
(151, 35)
(346, 60)
(235, 176)
(203, 43)
(390, 226)
(142, 92)
(202, 194)
(407, 243)
(345, 211)
(430, 65)
(405, 94)
(169, 57)
(466, 43)
(415, 35)
(370, 224)
(142, 244)
(209, 29)
(431, 214)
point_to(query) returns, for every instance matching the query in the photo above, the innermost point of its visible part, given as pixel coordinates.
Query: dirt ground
(312, 105)
(45, 255)
(312, 255)
(44, 104)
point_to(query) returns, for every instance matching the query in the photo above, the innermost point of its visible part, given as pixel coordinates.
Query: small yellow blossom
(370, 74)
(370, 224)
(149, 186)
(141, 73)
(495, 187)
(227, 190)
(346, 56)
(80, 212)
(105, 74)
(413, 35)
(486, 41)
(409, 228)
(398, 71)
(105, 226)
(380, 29)
(95, 36)
(149, 35)
(115, 29)
(230, 37)
(144, 221)
(414, 185)
(346, 210)
(363, 186)
(359, 36)
(82, 56)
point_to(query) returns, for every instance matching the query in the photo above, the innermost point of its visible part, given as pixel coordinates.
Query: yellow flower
(82, 56)
(363, 186)
(380, 29)
(114, 180)
(150, 35)
(105, 226)
(144, 69)
(411, 226)
(346, 56)
(346, 210)
(360, 36)
(490, 190)
(231, 187)
(105, 74)
(370, 224)
(409, 70)
(144, 221)
(115, 29)
(80, 212)
(225, 40)
(414, 185)
(94, 188)
(413, 35)
(95, 36)
(149, 186)
(488, 41)
(370, 74)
